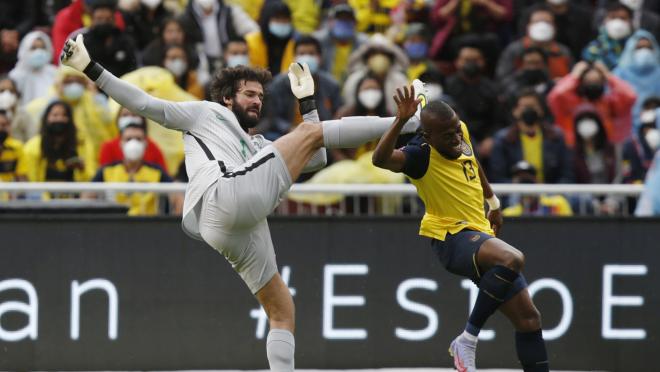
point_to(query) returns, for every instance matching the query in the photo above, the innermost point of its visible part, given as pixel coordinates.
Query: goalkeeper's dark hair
(226, 83)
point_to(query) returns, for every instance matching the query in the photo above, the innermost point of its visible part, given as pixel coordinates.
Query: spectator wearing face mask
(107, 43)
(89, 110)
(212, 23)
(594, 84)
(56, 154)
(649, 201)
(111, 151)
(74, 17)
(381, 58)
(533, 139)
(541, 33)
(273, 47)
(416, 45)
(640, 67)
(571, 23)
(595, 160)
(615, 30)
(339, 38)
(144, 21)
(22, 126)
(638, 151)
(11, 150)
(33, 73)
(369, 100)
(236, 53)
(534, 205)
(281, 111)
(177, 61)
(134, 168)
(645, 14)
(532, 74)
(476, 95)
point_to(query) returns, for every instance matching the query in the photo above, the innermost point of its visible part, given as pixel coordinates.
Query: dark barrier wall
(104, 294)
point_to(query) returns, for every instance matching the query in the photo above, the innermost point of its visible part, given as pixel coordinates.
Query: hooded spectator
(382, 59)
(613, 33)
(273, 47)
(33, 73)
(638, 151)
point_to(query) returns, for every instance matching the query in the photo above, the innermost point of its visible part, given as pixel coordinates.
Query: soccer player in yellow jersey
(442, 166)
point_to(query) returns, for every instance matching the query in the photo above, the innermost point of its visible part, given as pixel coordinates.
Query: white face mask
(541, 31)
(587, 128)
(151, 4)
(652, 138)
(73, 91)
(647, 116)
(370, 98)
(177, 66)
(238, 59)
(7, 100)
(617, 28)
(38, 58)
(133, 149)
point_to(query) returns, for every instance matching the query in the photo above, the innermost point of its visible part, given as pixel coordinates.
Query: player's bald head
(437, 114)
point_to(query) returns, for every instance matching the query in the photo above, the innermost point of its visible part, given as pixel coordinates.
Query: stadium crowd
(553, 91)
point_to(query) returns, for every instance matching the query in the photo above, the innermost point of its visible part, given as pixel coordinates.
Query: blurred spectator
(640, 67)
(305, 15)
(171, 33)
(282, 108)
(612, 36)
(593, 83)
(416, 45)
(17, 18)
(533, 73)
(107, 44)
(272, 47)
(540, 33)
(649, 201)
(177, 61)
(22, 126)
(453, 18)
(236, 53)
(595, 160)
(111, 151)
(373, 16)
(476, 95)
(533, 205)
(213, 23)
(645, 14)
(532, 139)
(90, 112)
(369, 100)
(572, 26)
(639, 149)
(134, 168)
(55, 154)
(74, 17)
(338, 40)
(33, 73)
(11, 150)
(382, 59)
(144, 21)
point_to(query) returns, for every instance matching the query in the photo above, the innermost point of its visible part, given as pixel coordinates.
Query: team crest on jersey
(465, 148)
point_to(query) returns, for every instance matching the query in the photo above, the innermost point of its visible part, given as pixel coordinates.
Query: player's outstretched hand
(302, 82)
(496, 220)
(406, 103)
(74, 54)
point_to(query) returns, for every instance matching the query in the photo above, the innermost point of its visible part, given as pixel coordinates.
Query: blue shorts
(458, 254)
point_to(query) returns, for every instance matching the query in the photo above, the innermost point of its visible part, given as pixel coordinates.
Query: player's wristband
(307, 105)
(93, 70)
(493, 202)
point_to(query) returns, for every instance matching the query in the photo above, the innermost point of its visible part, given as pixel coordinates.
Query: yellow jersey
(139, 203)
(11, 152)
(450, 189)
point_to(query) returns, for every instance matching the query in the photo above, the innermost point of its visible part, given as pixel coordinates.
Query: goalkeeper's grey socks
(354, 131)
(280, 347)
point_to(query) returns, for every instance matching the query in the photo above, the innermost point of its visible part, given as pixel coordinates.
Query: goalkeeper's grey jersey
(214, 142)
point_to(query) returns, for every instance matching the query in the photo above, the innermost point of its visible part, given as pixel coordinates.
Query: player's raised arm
(385, 155)
(173, 115)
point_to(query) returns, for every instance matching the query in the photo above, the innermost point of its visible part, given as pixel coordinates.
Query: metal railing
(360, 199)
